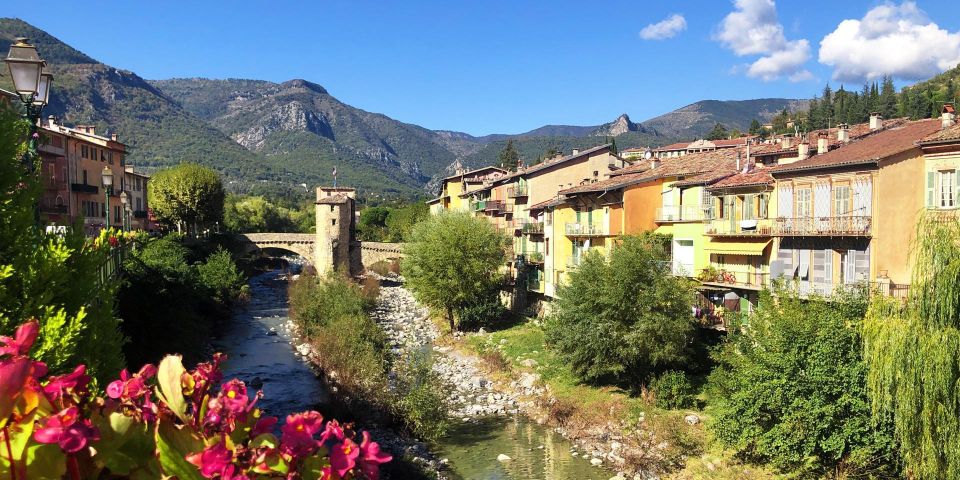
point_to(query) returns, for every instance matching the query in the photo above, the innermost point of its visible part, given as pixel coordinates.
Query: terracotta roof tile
(475, 171)
(672, 146)
(869, 148)
(759, 176)
(944, 135)
(611, 183)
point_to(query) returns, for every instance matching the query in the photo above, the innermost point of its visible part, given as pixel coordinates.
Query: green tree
(911, 350)
(509, 157)
(551, 152)
(187, 196)
(790, 389)
(623, 319)
(755, 127)
(888, 98)
(453, 260)
(719, 132)
(53, 278)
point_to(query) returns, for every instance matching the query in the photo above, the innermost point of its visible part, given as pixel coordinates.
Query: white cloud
(897, 40)
(753, 29)
(665, 29)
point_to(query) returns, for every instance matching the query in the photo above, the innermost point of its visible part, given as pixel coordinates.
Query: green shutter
(930, 185)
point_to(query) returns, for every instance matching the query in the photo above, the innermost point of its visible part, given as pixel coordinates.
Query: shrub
(495, 360)
(560, 410)
(487, 310)
(316, 302)
(673, 390)
(790, 389)
(623, 319)
(220, 275)
(422, 396)
(370, 289)
(395, 266)
(380, 267)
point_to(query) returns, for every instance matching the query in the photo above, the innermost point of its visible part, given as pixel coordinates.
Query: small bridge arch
(303, 244)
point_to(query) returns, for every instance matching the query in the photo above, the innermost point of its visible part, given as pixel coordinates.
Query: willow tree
(913, 355)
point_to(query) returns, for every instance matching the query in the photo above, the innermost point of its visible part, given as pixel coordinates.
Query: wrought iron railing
(576, 229)
(681, 213)
(739, 228)
(857, 226)
(532, 228)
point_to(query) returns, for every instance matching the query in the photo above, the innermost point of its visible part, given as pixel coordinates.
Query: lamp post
(128, 217)
(123, 208)
(107, 186)
(32, 84)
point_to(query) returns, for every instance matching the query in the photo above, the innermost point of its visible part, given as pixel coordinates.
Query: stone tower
(337, 247)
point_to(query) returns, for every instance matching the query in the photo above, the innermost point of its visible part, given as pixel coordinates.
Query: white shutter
(785, 202)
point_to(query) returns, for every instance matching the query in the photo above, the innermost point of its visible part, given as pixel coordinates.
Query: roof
(869, 149)
(333, 200)
(672, 146)
(945, 135)
(705, 178)
(732, 142)
(435, 200)
(549, 163)
(612, 183)
(757, 177)
(467, 193)
(634, 149)
(475, 171)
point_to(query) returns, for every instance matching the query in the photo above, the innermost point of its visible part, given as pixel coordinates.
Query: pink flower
(21, 341)
(343, 456)
(75, 382)
(333, 432)
(297, 434)
(14, 373)
(67, 430)
(233, 396)
(371, 457)
(213, 460)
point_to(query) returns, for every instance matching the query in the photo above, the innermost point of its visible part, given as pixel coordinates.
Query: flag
(334, 171)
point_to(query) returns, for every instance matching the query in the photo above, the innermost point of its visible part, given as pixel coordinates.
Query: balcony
(681, 213)
(493, 206)
(84, 188)
(844, 226)
(585, 230)
(517, 191)
(574, 262)
(739, 228)
(49, 205)
(534, 285)
(735, 277)
(533, 258)
(532, 228)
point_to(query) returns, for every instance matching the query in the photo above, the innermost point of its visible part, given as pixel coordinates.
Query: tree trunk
(453, 327)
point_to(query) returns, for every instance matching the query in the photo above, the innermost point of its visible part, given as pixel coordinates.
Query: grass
(685, 451)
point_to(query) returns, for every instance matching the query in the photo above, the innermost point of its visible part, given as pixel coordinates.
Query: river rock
(596, 462)
(529, 363)
(503, 458)
(691, 419)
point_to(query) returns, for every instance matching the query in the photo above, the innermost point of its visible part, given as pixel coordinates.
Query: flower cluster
(190, 418)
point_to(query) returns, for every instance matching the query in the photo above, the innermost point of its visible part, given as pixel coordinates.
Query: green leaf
(168, 379)
(45, 461)
(173, 445)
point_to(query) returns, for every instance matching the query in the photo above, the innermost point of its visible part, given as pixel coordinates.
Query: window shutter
(956, 188)
(930, 185)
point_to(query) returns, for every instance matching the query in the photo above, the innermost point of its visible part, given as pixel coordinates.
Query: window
(85, 177)
(804, 203)
(728, 207)
(748, 206)
(764, 203)
(841, 200)
(139, 204)
(116, 213)
(83, 151)
(946, 184)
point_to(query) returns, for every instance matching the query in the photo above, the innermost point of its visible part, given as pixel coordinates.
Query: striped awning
(737, 248)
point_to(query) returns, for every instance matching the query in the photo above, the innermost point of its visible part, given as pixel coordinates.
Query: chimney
(114, 137)
(803, 151)
(51, 121)
(876, 121)
(654, 162)
(843, 133)
(575, 151)
(787, 142)
(947, 116)
(822, 144)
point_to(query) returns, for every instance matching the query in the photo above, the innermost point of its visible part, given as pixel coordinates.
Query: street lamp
(107, 186)
(124, 207)
(31, 83)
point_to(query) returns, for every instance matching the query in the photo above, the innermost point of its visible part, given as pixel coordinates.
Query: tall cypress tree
(888, 98)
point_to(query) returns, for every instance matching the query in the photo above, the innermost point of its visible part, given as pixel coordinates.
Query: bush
(495, 360)
(380, 267)
(422, 396)
(790, 390)
(370, 289)
(316, 302)
(487, 310)
(219, 274)
(673, 390)
(621, 320)
(395, 266)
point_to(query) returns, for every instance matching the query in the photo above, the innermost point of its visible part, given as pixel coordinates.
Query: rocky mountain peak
(301, 83)
(617, 127)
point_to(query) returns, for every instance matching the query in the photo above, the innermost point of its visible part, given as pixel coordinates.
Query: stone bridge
(304, 244)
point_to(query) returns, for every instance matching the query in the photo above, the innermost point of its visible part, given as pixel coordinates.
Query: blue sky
(510, 66)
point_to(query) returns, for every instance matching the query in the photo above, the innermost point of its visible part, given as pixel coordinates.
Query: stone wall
(373, 252)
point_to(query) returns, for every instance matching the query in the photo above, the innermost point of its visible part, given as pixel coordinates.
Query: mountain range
(267, 137)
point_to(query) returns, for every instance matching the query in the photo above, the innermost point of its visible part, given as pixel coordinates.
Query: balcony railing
(517, 191)
(493, 206)
(535, 285)
(681, 213)
(586, 230)
(49, 205)
(848, 226)
(739, 228)
(681, 269)
(533, 258)
(574, 261)
(735, 277)
(532, 228)
(84, 188)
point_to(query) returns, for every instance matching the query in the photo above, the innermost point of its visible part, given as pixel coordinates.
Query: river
(260, 354)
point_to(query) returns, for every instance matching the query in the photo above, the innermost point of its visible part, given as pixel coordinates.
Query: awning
(737, 248)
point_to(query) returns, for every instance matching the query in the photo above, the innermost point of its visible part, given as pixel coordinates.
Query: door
(683, 257)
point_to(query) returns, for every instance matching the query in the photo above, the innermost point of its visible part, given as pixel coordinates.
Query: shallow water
(289, 385)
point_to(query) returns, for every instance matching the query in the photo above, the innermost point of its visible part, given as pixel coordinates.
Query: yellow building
(453, 187)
